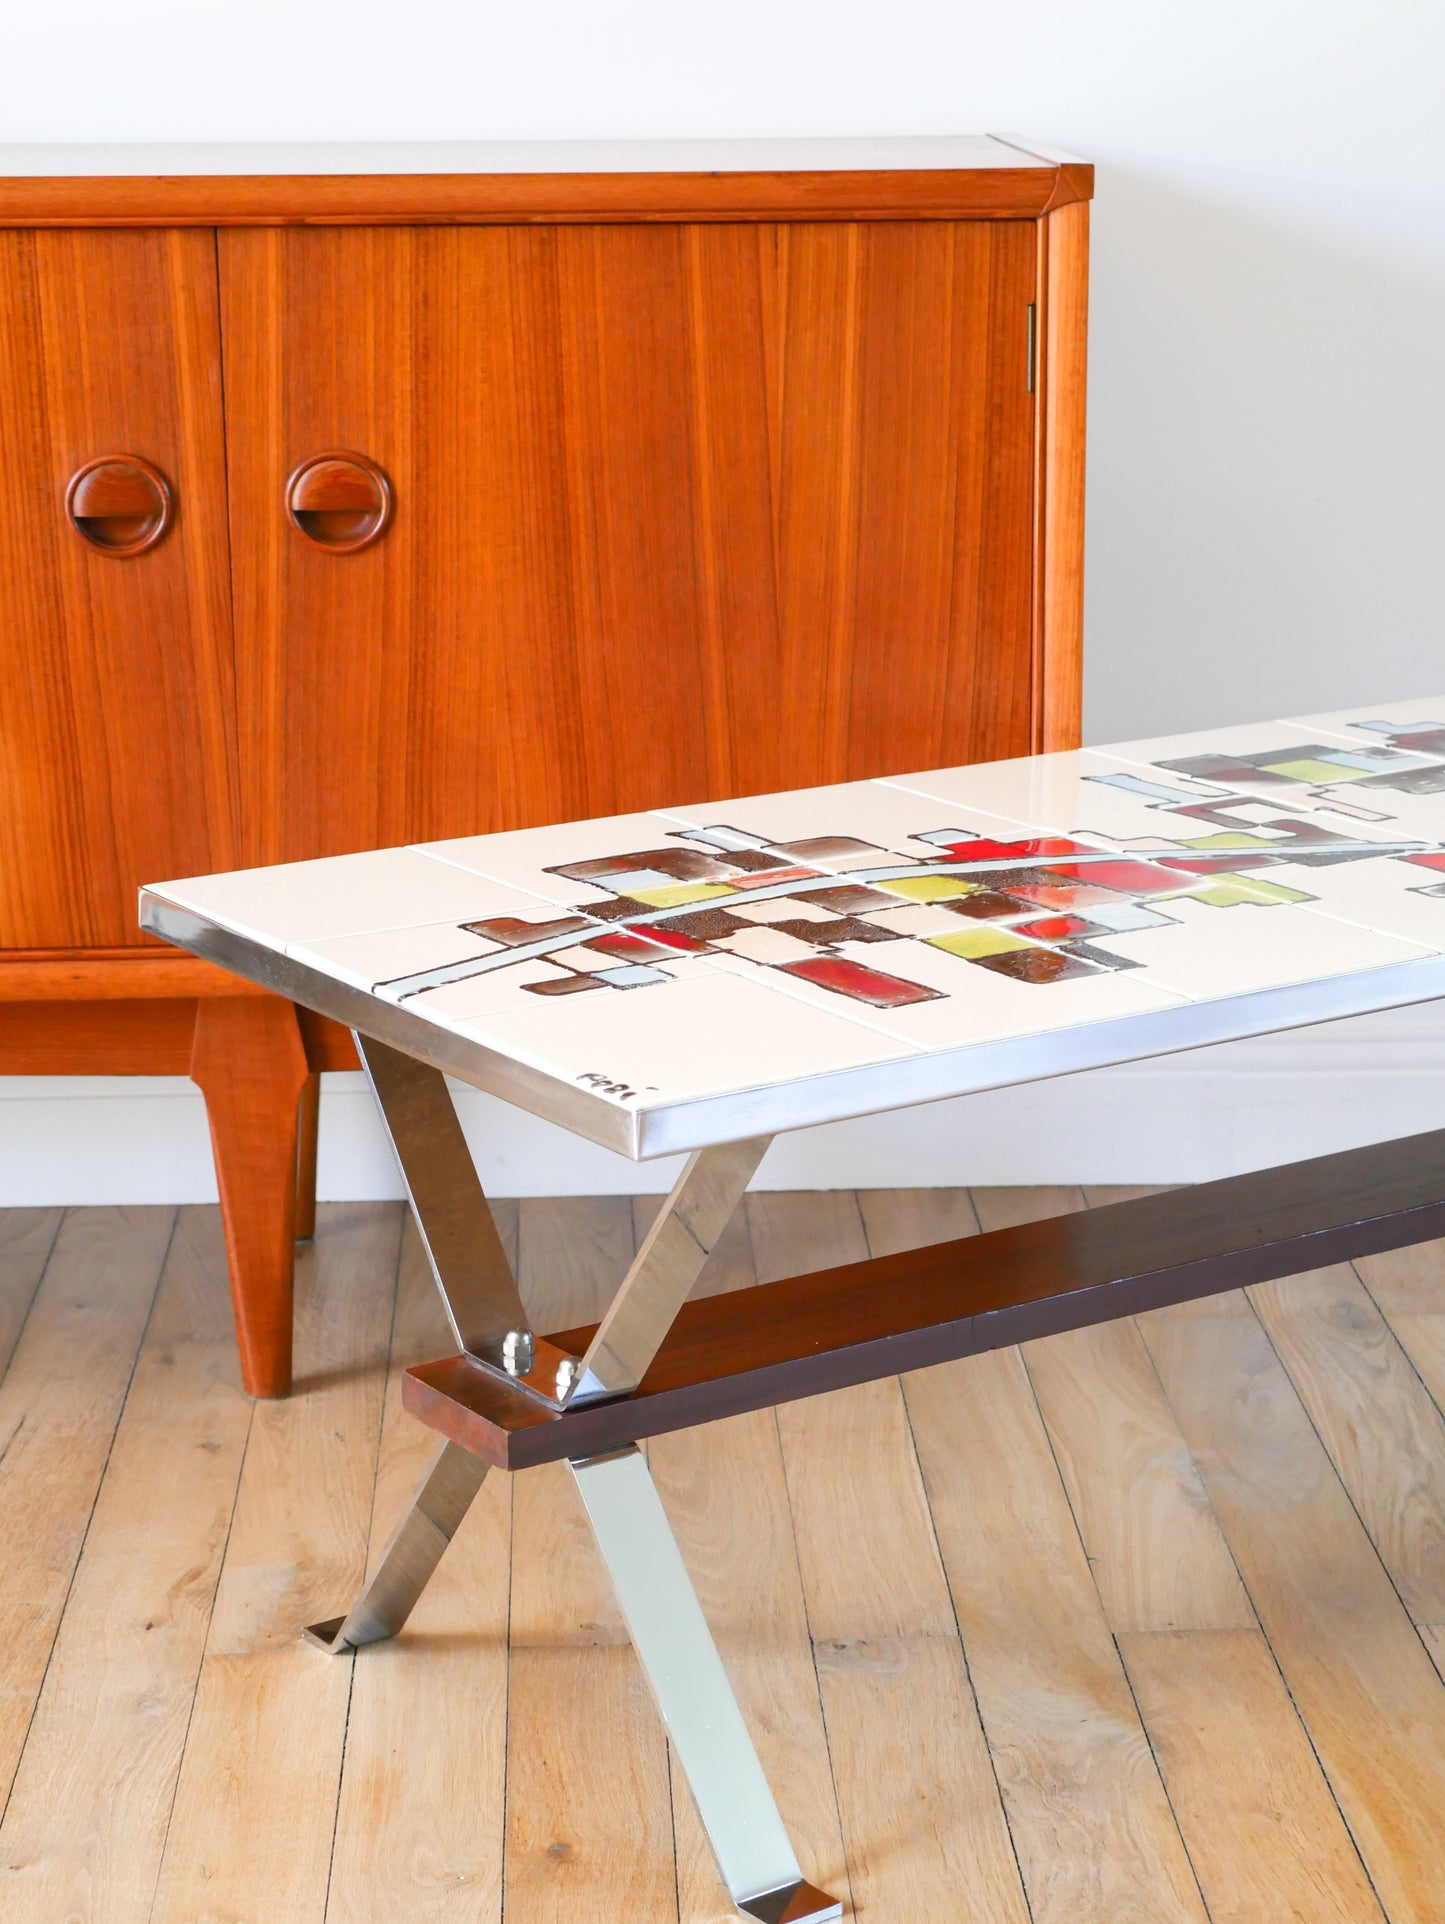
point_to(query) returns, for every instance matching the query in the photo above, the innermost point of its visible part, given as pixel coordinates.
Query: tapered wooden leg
(308, 1122)
(248, 1058)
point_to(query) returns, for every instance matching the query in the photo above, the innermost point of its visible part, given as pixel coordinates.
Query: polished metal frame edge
(580, 1110)
(900, 1082)
(919, 1078)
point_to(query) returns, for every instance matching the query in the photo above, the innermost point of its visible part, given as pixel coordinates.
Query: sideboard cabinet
(358, 498)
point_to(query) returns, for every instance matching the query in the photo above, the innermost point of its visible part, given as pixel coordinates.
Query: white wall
(1267, 409)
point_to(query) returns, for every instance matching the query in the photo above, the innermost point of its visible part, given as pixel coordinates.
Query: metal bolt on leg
(519, 1350)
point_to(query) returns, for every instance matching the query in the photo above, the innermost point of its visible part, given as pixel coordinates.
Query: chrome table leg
(412, 1552)
(471, 1269)
(665, 1268)
(706, 1727)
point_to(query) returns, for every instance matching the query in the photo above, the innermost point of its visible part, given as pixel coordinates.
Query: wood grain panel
(920, 1808)
(1153, 1543)
(630, 501)
(264, 1750)
(678, 508)
(1355, 1668)
(116, 755)
(113, 975)
(1096, 1839)
(1264, 1835)
(142, 1038)
(26, 1239)
(989, 686)
(1384, 1434)
(122, 1675)
(59, 1405)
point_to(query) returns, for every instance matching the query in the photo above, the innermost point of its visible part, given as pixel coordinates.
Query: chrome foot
(793, 1904)
(414, 1550)
(327, 1636)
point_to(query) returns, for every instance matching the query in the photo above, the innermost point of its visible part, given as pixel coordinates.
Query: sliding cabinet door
(115, 637)
(673, 510)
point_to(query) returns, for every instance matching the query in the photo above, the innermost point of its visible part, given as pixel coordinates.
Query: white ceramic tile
(772, 946)
(1245, 738)
(1092, 795)
(1062, 794)
(875, 813)
(389, 888)
(1117, 811)
(1343, 774)
(1378, 814)
(522, 857)
(917, 919)
(585, 961)
(1388, 895)
(780, 909)
(1351, 721)
(1209, 952)
(713, 1033)
(479, 994)
(975, 1004)
(367, 960)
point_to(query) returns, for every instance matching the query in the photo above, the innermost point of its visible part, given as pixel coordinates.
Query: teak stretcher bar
(776, 1342)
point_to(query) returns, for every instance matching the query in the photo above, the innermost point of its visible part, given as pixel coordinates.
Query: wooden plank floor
(1144, 1624)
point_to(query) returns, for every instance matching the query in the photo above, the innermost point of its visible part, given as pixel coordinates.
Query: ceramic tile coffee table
(702, 977)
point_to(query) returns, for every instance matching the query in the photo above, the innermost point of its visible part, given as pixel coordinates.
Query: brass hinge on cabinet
(1033, 343)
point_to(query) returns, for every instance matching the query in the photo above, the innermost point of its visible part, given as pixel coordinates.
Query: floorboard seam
(1109, 1628)
(507, 1702)
(1300, 1718)
(1159, 1773)
(1410, 1363)
(813, 1655)
(60, 1216)
(200, 1666)
(90, 1514)
(963, 1653)
(370, 1533)
(1335, 1471)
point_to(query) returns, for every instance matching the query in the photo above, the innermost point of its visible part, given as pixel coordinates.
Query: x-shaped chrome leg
(412, 1553)
(486, 1313)
(696, 1701)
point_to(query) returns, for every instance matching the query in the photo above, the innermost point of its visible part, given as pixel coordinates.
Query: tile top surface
(720, 968)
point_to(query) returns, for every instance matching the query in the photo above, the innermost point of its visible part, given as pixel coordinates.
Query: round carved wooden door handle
(119, 504)
(340, 501)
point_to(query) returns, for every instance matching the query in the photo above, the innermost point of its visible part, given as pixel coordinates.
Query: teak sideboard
(362, 496)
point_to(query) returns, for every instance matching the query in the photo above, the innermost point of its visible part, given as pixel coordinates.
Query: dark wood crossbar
(834, 1327)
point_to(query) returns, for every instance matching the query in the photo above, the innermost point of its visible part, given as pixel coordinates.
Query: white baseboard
(1186, 1118)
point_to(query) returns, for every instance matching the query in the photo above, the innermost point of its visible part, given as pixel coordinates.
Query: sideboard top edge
(980, 177)
(319, 158)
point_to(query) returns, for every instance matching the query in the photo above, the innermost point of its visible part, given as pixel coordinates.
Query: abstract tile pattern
(699, 892)
(914, 913)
